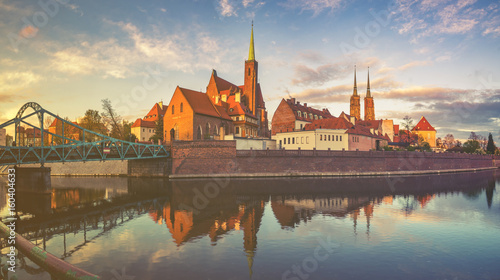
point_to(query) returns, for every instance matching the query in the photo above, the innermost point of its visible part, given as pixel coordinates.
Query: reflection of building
(185, 223)
(61, 198)
(3, 137)
(423, 200)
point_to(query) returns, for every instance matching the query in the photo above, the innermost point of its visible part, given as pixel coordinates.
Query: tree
(471, 146)
(407, 125)
(491, 148)
(112, 119)
(93, 121)
(158, 130)
(449, 141)
(127, 131)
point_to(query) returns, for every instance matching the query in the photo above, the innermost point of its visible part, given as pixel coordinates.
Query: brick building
(71, 132)
(145, 128)
(207, 117)
(334, 134)
(425, 131)
(293, 116)
(191, 115)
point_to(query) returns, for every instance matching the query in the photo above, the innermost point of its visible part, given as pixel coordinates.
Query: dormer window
(299, 114)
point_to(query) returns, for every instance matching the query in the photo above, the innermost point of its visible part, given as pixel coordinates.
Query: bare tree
(111, 118)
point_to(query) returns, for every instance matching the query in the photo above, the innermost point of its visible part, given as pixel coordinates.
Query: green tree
(471, 146)
(158, 130)
(93, 121)
(127, 131)
(490, 147)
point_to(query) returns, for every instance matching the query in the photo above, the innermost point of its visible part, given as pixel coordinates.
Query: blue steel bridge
(61, 146)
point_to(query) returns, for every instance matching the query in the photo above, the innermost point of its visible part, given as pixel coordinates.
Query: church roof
(222, 84)
(423, 125)
(296, 106)
(201, 104)
(238, 108)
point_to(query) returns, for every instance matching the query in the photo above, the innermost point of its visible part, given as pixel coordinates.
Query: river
(414, 227)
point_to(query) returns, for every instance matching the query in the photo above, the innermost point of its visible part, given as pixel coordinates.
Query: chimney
(293, 100)
(161, 104)
(305, 104)
(237, 97)
(298, 103)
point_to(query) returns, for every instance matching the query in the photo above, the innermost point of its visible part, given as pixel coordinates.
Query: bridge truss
(68, 142)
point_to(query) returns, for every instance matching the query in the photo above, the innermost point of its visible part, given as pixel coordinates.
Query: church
(224, 109)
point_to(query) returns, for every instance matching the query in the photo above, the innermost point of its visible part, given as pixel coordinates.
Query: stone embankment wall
(208, 158)
(89, 168)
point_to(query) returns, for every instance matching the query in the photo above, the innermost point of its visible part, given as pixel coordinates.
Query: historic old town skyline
(426, 57)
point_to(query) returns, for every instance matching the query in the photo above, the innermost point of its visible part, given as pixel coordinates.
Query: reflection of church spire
(368, 213)
(355, 214)
(251, 224)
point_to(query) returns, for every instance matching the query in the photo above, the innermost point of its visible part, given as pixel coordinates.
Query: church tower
(355, 102)
(369, 106)
(251, 78)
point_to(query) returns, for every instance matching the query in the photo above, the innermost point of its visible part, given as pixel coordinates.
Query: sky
(432, 58)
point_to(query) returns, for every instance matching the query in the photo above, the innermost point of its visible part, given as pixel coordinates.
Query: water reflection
(191, 210)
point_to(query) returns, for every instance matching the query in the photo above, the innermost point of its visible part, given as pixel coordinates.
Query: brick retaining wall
(221, 157)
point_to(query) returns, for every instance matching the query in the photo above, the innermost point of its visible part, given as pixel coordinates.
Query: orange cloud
(28, 31)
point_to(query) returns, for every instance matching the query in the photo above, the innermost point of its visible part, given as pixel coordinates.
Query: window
(182, 107)
(302, 140)
(293, 140)
(248, 71)
(173, 109)
(301, 126)
(315, 117)
(299, 114)
(321, 137)
(199, 133)
(143, 130)
(329, 138)
(340, 137)
(307, 139)
(280, 143)
(288, 140)
(237, 131)
(337, 138)
(150, 131)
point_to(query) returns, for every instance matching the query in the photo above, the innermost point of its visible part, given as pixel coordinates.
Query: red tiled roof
(302, 108)
(143, 123)
(423, 125)
(155, 112)
(330, 123)
(375, 124)
(201, 104)
(238, 108)
(222, 84)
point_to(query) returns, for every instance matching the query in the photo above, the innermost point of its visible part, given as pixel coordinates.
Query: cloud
(431, 17)
(227, 8)
(316, 6)
(414, 64)
(10, 81)
(130, 56)
(246, 3)
(28, 31)
(305, 75)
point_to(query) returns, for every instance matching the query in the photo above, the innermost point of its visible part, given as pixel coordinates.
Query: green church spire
(251, 52)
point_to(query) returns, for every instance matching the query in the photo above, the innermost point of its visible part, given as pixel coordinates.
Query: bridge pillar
(33, 179)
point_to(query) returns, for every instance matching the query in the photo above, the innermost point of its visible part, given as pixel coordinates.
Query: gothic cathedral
(355, 101)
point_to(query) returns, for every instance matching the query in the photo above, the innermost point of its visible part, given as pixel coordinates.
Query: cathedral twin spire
(355, 101)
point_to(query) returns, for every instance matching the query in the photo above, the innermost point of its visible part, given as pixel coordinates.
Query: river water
(414, 227)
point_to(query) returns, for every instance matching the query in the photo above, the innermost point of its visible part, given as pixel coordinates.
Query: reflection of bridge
(61, 145)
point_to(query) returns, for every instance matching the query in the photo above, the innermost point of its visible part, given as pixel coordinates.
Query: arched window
(176, 130)
(199, 133)
(249, 71)
(216, 132)
(173, 109)
(226, 129)
(182, 107)
(299, 114)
